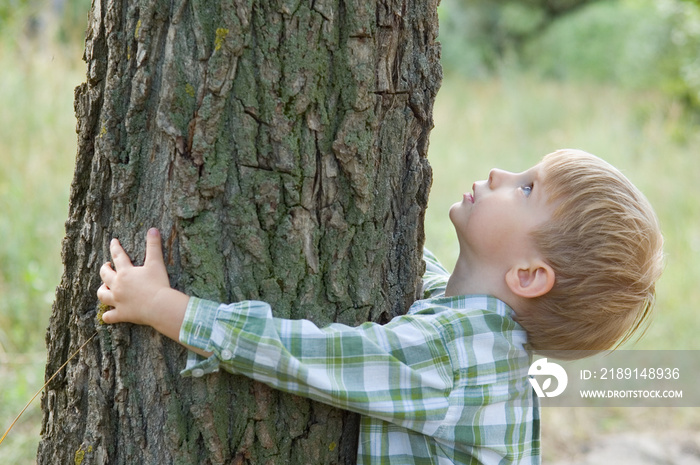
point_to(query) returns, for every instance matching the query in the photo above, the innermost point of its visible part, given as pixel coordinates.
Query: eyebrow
(536, 179)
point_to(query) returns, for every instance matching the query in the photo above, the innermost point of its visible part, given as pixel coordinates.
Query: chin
(457, 210)
(452, 212)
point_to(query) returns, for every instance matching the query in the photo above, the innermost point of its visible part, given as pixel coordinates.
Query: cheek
(468, 224)
(486, 233)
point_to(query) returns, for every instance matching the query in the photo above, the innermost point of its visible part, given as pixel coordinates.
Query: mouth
(468, 197)
(472, 194)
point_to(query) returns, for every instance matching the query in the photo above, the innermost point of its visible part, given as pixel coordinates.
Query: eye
(527, 189)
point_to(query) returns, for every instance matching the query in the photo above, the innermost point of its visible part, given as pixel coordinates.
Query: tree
(280, 147)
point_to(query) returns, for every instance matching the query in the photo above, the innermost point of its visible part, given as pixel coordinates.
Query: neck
(469, 278)
(466, 279)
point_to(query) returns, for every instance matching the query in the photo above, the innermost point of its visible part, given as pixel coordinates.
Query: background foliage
(629, 43)
(618, 78)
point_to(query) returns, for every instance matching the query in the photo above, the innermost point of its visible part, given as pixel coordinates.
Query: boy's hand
(142, 294)
(137, 293)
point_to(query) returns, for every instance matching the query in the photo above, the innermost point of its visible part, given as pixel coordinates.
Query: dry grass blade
(44, 386)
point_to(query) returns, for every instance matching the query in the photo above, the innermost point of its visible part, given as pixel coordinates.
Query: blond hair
(605, 247)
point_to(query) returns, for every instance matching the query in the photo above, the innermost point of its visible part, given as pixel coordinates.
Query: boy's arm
(351, 368)
(399, 372)
(142, 294)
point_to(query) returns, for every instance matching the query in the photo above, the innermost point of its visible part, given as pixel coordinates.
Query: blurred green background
(620, 79)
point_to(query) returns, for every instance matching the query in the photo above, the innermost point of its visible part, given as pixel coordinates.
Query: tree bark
(280, 147)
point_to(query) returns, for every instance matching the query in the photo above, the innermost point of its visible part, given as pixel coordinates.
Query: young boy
(562, 257)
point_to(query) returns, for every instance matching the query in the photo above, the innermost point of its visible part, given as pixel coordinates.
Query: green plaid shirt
(446, 383)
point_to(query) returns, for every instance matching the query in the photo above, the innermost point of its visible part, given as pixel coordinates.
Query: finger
(154, 251)
(119, 256)
(110, 316)
(107, 273)
(104, 294)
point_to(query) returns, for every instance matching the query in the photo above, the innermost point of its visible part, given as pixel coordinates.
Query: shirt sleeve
(435, 276)
(399, 372)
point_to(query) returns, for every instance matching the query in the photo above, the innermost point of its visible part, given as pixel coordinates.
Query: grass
(509, 122)
(37, 153)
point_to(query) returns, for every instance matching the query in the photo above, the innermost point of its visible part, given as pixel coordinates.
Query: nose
(496, 177)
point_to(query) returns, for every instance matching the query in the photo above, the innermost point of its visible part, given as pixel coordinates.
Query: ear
(530, 281)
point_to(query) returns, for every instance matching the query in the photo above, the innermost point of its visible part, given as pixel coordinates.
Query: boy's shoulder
(435, 276)
(486, 345)
(471, 307)
(472, 315)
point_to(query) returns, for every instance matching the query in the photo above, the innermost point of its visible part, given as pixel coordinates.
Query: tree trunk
(280, 147)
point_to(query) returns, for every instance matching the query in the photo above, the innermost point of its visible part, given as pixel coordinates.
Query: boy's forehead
(537, 172)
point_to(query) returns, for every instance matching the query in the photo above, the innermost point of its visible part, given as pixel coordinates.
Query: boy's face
(494, 223)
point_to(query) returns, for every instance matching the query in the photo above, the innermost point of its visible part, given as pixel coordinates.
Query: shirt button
(226, 354)
(197, 372)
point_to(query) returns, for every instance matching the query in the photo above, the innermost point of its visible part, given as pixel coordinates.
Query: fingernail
(153, 232)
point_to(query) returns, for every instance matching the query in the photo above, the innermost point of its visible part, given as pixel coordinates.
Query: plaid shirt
(445, 383)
